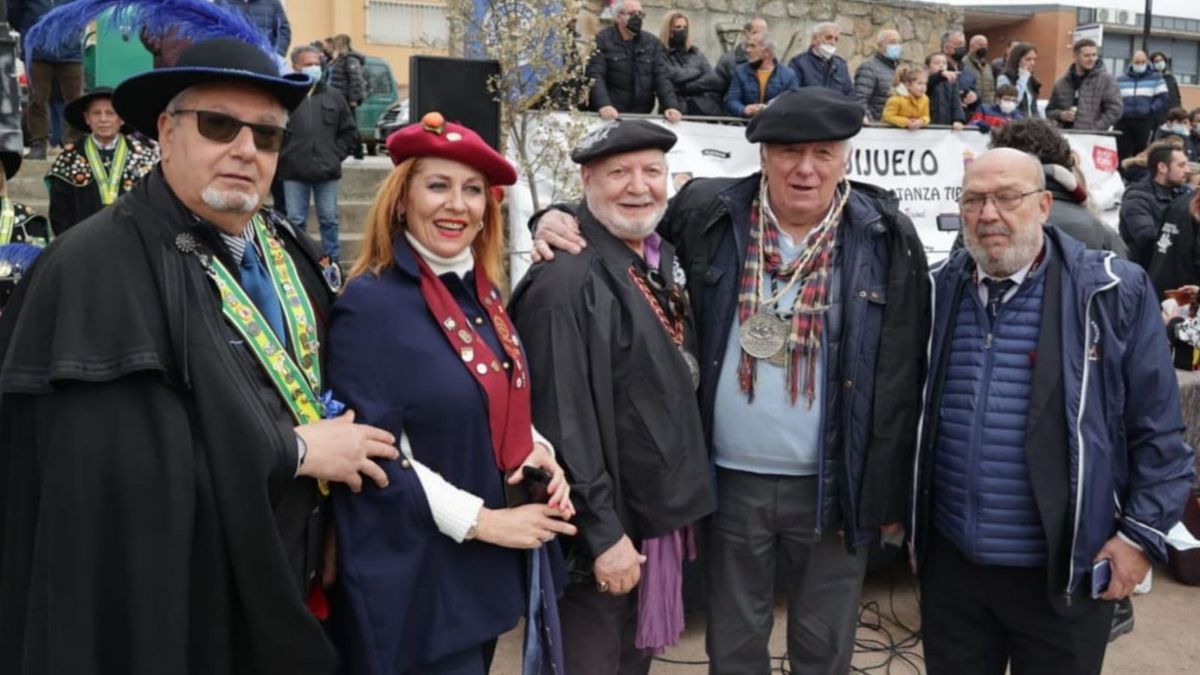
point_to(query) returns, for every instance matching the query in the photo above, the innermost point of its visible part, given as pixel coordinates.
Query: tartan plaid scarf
(814, 265)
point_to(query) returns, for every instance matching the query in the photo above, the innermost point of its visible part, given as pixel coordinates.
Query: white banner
(924, 168)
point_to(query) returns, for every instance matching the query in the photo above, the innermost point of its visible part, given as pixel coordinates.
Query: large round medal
(763, 335)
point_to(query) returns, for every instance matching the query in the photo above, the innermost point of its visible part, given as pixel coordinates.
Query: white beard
(229, 201)
(626, 229)
(1022, 249)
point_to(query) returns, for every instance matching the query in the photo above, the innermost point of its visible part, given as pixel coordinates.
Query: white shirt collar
(460, 264)
(1017, 278)
(110, 146)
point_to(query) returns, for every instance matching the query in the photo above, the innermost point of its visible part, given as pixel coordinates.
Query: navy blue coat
(408, 595)
(743, 90)
(883, 289)
(813, 71)
(1129, 468)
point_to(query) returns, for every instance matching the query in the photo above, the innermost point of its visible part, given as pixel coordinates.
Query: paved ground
(1163, 641)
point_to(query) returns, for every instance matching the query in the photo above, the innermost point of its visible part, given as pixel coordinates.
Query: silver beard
(625, 229)
(1023, 248)
(229, 201)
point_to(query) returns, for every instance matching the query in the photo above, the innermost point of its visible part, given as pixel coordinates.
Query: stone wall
(920, 24)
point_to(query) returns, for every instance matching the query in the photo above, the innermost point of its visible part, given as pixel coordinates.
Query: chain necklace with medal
(298, 378)
(764, 336)
(672, 325)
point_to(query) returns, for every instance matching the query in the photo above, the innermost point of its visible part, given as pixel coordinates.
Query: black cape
(150, 523)
(74, 195)
(29, 227)
(614, 395)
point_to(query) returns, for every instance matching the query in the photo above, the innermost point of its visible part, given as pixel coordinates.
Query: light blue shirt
(770, 435)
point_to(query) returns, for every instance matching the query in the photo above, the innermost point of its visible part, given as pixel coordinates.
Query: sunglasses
(223, 128)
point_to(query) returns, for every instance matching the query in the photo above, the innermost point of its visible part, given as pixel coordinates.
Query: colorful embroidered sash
(107, 180)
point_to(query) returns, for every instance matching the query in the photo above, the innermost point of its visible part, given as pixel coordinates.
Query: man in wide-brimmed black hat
(105, 164)
(162, 413)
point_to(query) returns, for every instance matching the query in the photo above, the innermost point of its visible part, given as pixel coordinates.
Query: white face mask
(314, 72)
(827, 51)
(1139, 68)
(1007, 107)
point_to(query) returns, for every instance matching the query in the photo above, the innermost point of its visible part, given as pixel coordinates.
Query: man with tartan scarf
(796, 276)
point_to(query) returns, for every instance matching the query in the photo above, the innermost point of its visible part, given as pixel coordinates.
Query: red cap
(433, 136)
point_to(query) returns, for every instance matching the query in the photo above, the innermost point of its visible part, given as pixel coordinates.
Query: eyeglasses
(638, 13)
(1005, 200)
(223, 128)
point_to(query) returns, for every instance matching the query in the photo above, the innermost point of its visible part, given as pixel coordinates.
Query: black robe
(614, 395)
(74, 194)
(150, 523)
(29, 227)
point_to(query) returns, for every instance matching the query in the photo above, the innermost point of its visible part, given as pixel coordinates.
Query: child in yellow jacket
(908, 106)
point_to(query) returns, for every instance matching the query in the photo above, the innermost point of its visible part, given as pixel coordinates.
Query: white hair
(820, 28)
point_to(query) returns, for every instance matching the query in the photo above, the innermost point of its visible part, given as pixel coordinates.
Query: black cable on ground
(892, 637)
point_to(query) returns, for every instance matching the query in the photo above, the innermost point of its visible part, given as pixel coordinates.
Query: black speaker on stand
(458, 89)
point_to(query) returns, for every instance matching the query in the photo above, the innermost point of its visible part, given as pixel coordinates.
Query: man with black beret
(612, 353)
(796, 276)
(162, 404)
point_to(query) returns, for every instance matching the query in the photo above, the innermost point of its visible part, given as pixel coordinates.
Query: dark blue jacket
(813, 71)
(22, 14)
(408, 595)
(884, 292)
(1128, 468)
(984, 500)
(270, 18)
(743, 90)
(945, 99)
(1143, 95)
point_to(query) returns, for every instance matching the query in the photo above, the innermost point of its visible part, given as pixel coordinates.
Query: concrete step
(360, 181)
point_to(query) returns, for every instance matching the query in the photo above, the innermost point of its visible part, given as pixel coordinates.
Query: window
(1183, 55)
(377, 78)
(1115, 52)
(411, 24)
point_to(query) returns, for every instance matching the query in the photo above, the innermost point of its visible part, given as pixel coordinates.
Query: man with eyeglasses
(629, 68)
(1050, 461)
(164, 433)
(92, 173)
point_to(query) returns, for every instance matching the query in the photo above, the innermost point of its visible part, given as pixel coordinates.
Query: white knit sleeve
(455, 511)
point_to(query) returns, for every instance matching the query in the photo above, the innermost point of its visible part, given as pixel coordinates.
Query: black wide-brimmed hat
(140, 99)
(11, 161)
(75, 110)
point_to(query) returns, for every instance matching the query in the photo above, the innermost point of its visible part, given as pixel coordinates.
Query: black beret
(622, 136)
(809, 115)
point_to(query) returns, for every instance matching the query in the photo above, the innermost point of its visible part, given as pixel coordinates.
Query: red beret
(433, 136)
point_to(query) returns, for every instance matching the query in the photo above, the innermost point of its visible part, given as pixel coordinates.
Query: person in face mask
(975, 66)
(1160, 65)
(873, 79)
(1019, 73)
(1178, 124)
(628, 69)
(1144, 97)
(323, 133)
(819, 65)
(697, 86)
(995, 115)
